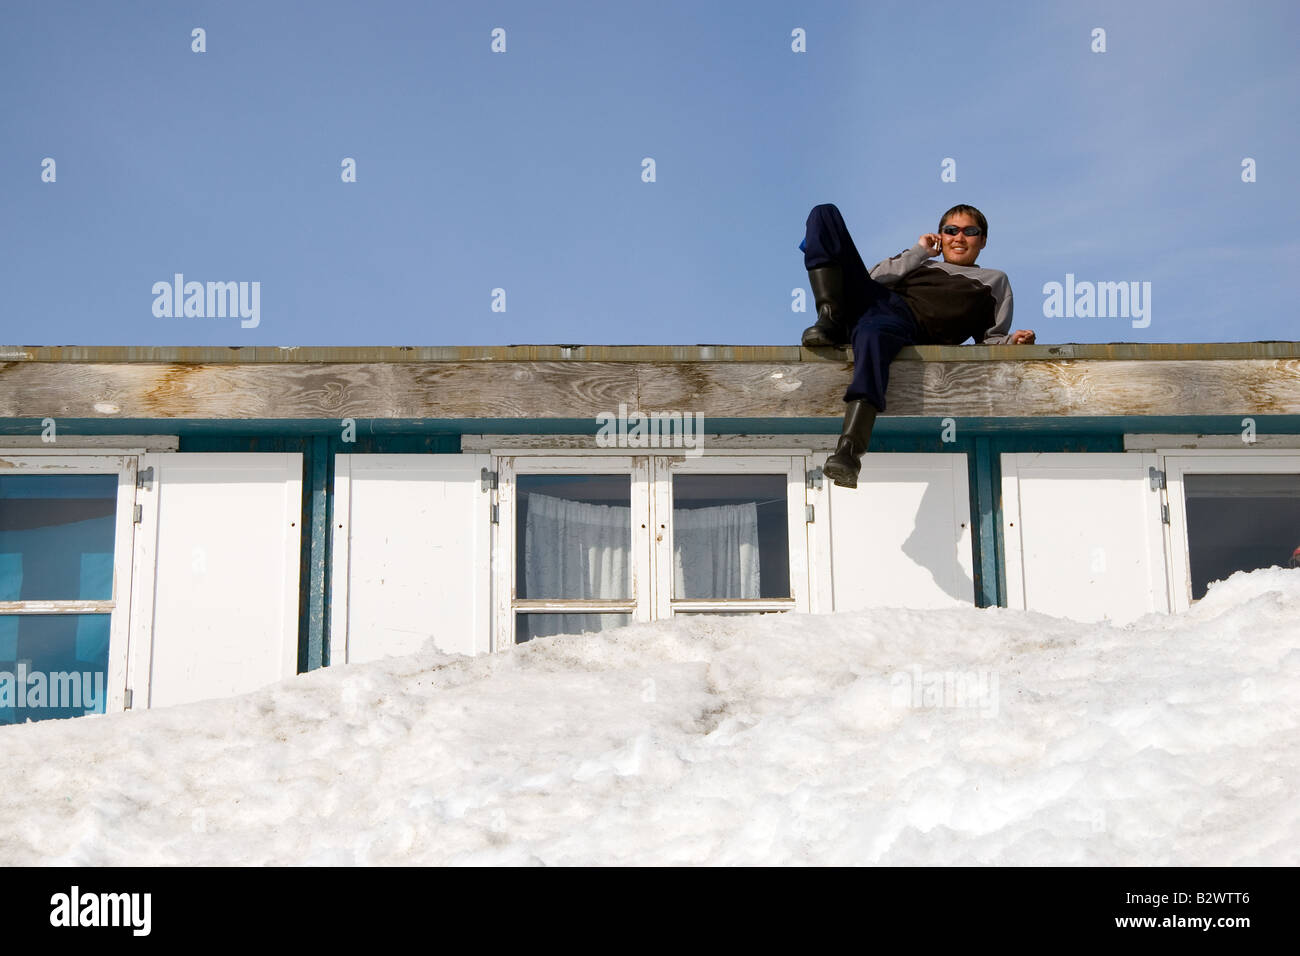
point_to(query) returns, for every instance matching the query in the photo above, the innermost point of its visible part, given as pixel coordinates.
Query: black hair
(970, 211)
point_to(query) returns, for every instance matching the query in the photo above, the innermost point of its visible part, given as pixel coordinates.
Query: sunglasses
(969, 230)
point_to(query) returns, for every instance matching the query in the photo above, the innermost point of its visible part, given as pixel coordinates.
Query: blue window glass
(52, 665)
(56, 537)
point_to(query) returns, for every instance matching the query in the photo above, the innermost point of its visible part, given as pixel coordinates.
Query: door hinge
(127, 701)
(1164, 514)
(813, 479)
(1157, 478)
(139, 513)
(487, 480)
(144, 476)
(808, 513)
(495, 518)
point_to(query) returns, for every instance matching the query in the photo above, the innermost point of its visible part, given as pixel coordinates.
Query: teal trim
(993, 476)
(313, 639)
(987, 557)
(397, 445)
(233, 443)
(327, 546)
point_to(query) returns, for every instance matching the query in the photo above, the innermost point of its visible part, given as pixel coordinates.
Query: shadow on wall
(938, 556)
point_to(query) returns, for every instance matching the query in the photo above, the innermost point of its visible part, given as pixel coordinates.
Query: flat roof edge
(782, 354)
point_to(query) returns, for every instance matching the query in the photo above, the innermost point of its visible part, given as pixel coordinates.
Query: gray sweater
(950, 303)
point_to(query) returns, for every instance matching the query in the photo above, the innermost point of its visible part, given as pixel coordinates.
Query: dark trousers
(881, 322)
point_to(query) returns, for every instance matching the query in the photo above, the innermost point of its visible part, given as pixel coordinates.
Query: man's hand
(1022, 337)
(933, 242)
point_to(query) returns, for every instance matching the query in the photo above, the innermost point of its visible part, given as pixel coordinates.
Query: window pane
(56, 537)
(529, 626)
(730, 537)
(574, 535)
(52, 665)
(1239, 523)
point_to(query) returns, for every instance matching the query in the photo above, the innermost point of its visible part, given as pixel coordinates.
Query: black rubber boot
(828, 292)
(843, 466)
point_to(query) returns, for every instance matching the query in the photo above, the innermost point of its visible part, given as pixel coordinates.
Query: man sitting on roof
(905, 300)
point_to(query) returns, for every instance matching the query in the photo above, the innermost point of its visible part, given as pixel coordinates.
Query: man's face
(961, 249)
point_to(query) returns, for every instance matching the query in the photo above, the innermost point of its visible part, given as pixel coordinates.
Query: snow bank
(893, 737)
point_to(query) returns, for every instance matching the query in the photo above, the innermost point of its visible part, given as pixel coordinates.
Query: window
(1229, 512)
(730, 537)
(600, 541)
(734, 534)
(1239, 523)
(573, 535)
(63, 522)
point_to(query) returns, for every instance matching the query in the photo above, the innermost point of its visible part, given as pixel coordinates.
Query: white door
(220, 615)
(902, 538)
(411, 555)
(1083, 535)
(1229, 512)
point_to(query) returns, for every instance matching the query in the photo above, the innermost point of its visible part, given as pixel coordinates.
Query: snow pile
(958, 736)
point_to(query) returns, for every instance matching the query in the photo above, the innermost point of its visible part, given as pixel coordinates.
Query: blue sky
(522, 170)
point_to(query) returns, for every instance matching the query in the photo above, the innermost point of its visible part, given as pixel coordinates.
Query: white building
(193, 523)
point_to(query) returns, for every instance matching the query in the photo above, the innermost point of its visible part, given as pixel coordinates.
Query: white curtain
(576, 550)
(715, 552)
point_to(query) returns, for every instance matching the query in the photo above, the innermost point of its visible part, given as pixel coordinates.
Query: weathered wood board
(583, 389)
